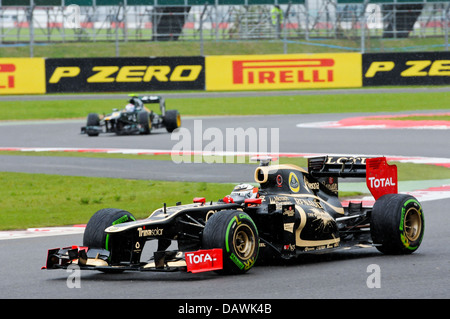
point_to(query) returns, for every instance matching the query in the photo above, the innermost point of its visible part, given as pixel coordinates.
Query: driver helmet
(243, 191)
(129, 107)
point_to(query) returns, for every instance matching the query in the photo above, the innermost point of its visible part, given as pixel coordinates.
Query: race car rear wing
(152, 99)
(155, 99)
(381, 178)
(332, 166)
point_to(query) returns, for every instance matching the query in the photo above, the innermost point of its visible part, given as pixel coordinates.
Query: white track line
(42, 232)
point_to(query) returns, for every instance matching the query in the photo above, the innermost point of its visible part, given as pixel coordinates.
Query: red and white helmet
(242, 192)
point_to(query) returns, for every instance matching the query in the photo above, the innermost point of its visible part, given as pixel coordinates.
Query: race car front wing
(167, 261)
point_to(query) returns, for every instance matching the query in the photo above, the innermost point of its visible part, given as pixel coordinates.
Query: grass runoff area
(134, 48)
(257, 105)
(39, 200)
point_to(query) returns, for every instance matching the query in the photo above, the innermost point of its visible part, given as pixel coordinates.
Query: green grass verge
(298, 104)
(39, 200)
(147, 48)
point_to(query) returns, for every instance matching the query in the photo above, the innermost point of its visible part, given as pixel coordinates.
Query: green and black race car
(135, 118)
(291, 211)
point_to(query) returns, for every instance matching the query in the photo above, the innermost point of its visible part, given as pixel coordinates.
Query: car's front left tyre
(236, 234)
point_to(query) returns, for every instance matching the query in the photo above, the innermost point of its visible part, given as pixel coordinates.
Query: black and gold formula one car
(135, 118)
(292, 211)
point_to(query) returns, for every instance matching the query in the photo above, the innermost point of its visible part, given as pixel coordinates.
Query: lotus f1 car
(293, 211)
(135, 118)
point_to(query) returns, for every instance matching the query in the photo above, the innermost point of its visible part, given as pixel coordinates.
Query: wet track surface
(424, 274)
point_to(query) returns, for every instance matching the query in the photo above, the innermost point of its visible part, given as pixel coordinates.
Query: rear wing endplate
(381, 178)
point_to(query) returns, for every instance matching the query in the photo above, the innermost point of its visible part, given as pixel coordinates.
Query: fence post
(117, 23)
(446, 21)
(201, 29)
(363, 21)
(125, 21)
(1, 27)
(31, 27)
(306, 20)
(286, 16)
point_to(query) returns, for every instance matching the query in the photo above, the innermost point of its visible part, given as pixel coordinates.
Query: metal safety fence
(349, 25)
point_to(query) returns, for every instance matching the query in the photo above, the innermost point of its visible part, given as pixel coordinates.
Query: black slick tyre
(93, 119)
(172, 120)
(94, 234)
(236, 234)
(397, 224)
(144, 121)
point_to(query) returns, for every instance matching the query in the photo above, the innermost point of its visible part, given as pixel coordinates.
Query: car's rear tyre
(397, 224)
(93, 119)
(172, 120)
(94, 234)
(236, 234)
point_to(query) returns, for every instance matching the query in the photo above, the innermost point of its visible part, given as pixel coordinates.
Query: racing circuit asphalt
(424, 274)
(66, 134)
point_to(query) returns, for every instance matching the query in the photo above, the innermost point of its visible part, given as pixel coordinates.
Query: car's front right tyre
(93, 119)
(95, 235)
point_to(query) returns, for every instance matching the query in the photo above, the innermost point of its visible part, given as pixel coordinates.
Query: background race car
(135, 118)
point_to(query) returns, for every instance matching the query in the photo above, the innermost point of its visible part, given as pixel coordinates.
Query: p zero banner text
(415, 68)
(125, 74)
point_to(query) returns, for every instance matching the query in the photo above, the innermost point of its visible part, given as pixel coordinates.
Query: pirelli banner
(22, 76)
(415, 68)
(124, 74)
(219, 73)
(286, 71)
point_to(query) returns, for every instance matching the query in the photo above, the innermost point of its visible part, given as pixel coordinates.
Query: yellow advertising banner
(22, 76)
(283, 71)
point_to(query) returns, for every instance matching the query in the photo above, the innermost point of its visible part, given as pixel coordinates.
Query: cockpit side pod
(290, 224)
(318, 229)
(304, 208)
